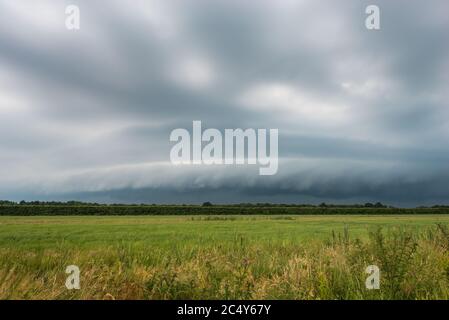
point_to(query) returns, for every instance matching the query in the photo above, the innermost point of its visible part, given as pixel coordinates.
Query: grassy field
(225, 257)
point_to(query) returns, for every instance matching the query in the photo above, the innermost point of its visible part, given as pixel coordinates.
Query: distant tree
(323, 205)
(379, 205)
(369, 205)
(207, 204)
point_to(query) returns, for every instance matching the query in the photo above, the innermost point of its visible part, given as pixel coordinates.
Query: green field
(225, 257)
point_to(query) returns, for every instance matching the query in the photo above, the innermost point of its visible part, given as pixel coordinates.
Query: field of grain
(225, 257)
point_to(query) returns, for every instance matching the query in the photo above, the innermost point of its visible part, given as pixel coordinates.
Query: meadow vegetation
(225, 257)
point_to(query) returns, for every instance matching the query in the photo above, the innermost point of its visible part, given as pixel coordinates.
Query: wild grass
(244, 264)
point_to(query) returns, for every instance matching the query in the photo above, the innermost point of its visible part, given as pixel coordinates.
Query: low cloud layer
(362, 115)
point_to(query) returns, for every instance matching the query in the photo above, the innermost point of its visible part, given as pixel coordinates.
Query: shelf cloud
(363, 115)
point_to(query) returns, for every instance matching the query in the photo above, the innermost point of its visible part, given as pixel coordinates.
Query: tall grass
(413, 265)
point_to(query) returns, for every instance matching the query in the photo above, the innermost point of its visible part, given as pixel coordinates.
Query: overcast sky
(362, 115)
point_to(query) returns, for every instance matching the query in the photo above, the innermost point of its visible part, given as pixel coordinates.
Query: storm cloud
(362, 115)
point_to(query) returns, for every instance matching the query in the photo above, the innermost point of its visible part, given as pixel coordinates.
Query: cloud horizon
(362, 115)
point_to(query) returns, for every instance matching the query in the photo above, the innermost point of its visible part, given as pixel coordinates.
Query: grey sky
(362, 115)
